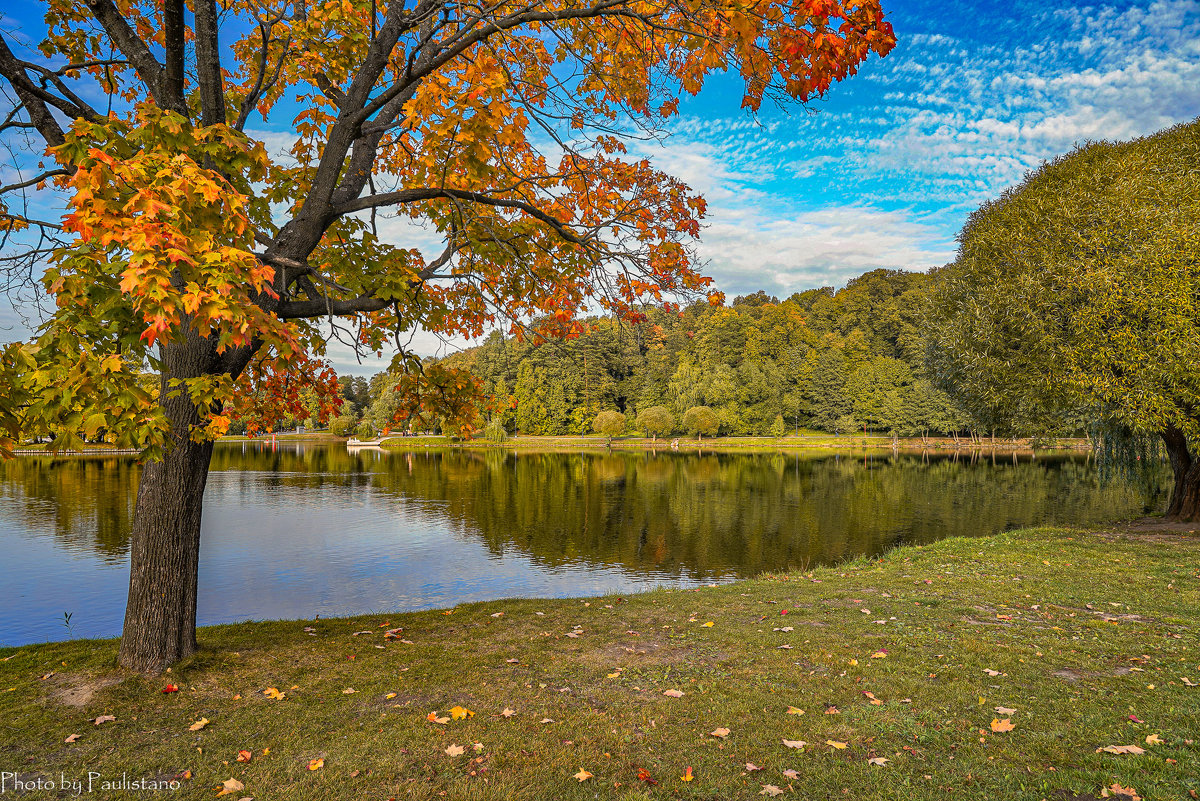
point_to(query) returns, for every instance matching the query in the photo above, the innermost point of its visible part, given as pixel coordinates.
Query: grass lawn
(1081, 640)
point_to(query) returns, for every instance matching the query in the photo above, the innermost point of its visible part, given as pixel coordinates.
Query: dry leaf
(878, 761)
(791, 774)
(771, 790)
(432, 717)
(791, 710)
(721, 732)
(507, 713)
(199, 724)
(389, 696)
(1003, 710)
(546, 720)
(273, 693)
(316, 764)
(687, 774)
(1120, 793)
(751, 767)
(1121, 749)
(244, 756)
(795, 743)
(871, 697)
(455, 750)
(999, 725)
(170, 688)
(880, 654)
(708, 625)
(231, 785)
(839, 746)
(582, 775)
(1153, 739)
(71, 738)
(461, 713)
(993, 673)
(1189, 682)
(104, 719)
(644, 775)
(348, 691)
(673, 693)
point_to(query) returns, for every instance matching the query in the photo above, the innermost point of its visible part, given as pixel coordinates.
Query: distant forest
(830, 360)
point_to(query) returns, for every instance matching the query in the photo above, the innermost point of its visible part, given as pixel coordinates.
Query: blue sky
(885, 169)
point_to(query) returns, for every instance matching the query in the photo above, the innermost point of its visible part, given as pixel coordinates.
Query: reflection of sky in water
(278, 552)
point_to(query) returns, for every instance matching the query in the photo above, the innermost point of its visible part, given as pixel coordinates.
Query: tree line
(832, 360)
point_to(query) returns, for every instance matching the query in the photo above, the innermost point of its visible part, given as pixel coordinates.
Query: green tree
(609, 423)
(701, 420)
(656, 420)
(1079, 290)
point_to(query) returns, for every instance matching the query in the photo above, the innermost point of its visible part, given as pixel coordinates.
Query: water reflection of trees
(698, 514)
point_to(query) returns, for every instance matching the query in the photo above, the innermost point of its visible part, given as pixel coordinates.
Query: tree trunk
(160, 615)
(1185, 497)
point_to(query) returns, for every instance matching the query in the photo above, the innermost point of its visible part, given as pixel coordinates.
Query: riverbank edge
(1023, 447)
(1028, 620)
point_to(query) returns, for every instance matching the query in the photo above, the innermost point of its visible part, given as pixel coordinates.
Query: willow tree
(188, 248)
(1076, 295)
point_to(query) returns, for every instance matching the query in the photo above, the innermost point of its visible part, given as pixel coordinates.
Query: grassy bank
(814, 440)
(1083, 640)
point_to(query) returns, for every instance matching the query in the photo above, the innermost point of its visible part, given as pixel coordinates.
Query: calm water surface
(301, 530)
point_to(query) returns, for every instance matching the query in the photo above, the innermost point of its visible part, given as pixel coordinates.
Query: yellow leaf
(999, 725)
(231, 785)
(198, 725)
(687, 774)
(878, 761)
(709, 625)
(1153, 739)
(461, 713)
(791, 710)
(879, 655)
(583, 775)
(316, 764)
(838, 745)
(271, 692)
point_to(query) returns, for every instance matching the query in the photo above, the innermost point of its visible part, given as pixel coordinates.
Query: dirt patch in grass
(78, 690)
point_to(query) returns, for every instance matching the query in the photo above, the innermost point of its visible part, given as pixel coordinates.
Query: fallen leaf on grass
(687, 774)
(349, 691)
(389, 696)
(791, 774)
(231, 785)
(709, 625)
(1121, 749)
(104, 719)
(199, 724)
(792, 710)
(721, 732)
(751, 767)
(880, 654)
(316, 764)
(673, 693)
(1188, 682)
(795, 743)
(244, 756)
(1003, 710)
(1153, 739)
(512, 661)
(507, 713)
(644, 775)
(273, 693)
(1120, 793)
(878, 761)
(460, 713)
(993, 673)
(771, 790)
(830, 709)
(454, 750)
(170, 688)
(432, 717)
(497, 614)
(72, 738)
(582, 775)
(999, 725)
(546, 720)
(839, 746)
(870, 696)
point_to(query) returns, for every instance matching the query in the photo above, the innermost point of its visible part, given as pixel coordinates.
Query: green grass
(1090, 634)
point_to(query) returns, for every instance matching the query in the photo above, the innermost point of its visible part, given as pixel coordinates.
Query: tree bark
(160, 615)
(1185, 497)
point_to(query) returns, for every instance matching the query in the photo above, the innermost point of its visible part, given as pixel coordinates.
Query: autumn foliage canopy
(190, 249)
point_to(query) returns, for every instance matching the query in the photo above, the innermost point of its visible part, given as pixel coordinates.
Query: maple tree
(186, 249)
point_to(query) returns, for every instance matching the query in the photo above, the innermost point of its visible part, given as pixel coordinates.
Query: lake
(297, 530)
